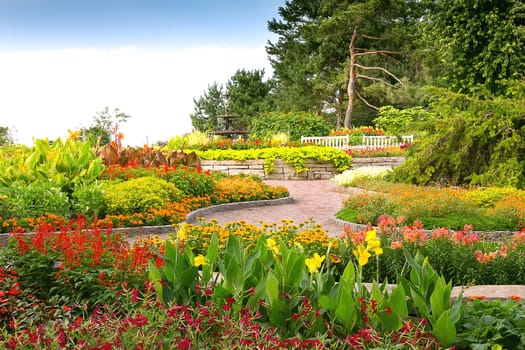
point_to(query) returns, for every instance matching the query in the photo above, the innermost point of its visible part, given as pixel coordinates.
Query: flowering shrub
(389, 151)
(241, 188)
(459, 255)
(362, 130)
(434, 206)
(233, 286)
(75, 263)
(139, 195)
(347, 177)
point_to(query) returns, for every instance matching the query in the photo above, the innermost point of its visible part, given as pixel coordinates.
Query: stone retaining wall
(282, 170)
(377, 161)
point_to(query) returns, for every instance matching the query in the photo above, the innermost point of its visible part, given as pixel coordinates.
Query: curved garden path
(320, 200)
(317, 200)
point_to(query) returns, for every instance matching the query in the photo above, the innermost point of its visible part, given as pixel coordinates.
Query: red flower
(184, 344)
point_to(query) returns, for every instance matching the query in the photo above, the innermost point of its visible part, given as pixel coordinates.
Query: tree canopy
(481, 42)
(245, 94)
(105, 124)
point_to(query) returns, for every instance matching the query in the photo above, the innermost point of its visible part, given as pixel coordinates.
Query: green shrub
(479, 141)
(295, 124)
(88, 199)
(495, 324)
(399, 121)
(139, 195)
(192, 182)
(36, 199)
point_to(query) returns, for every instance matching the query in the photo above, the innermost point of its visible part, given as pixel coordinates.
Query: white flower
(348, 177)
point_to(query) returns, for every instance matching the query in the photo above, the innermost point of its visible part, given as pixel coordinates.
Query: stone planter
(282, 170)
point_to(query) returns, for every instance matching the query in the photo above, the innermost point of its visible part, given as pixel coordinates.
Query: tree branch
(371, 37)
(378, 52)
(374, 79)
(365, 101)
(386, 71)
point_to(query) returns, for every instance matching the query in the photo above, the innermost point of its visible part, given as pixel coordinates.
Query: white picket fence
(339, 142)
(342, 142)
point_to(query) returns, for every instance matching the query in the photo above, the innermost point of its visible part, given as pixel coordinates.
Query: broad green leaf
(390, 321)
(348, 276)
(213, 249)
(170, 252)
(233, 276)
(295, 269)
(189, 277)
(456, 312)
(345, 311)
(421, 304)
(234, 249)
(272, 288)
(327, 302)
(376, 293)
(219, 293)
(440, 298)
(444, 330)
(277, 313)
(398, 302)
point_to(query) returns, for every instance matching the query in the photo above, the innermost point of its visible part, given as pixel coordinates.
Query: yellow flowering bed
(307, 236)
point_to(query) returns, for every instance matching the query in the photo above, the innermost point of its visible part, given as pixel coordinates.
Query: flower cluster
(373, 246)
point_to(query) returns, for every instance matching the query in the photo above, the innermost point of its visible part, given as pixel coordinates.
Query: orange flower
(515, 297)
(396, 245)
(477, 297)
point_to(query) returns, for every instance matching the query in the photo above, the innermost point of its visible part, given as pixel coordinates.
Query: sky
(62, 61)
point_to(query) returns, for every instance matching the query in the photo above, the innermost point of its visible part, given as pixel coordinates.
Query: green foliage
(294, 124)
(495, 324)
(434, 207)
(481, 42)
(192, 182)
(401, 121)
(105, 124)
(247, 96)
(478, 141)
(36, 199)
(292, 155)
(310, 55)
(430, 296)
(45, 178)
(88, 200)
(5, 136)
(195, 138)
(207, 108)
(139, 195)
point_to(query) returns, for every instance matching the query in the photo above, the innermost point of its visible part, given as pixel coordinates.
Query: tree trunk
(351, 82)
(339, 109)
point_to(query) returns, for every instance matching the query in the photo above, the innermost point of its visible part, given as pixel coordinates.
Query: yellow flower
(372, 243)
(182, 232)
(375, 247)
(371, 236)
(199, 260)
(272, 245)
(361, 254)
(314, 263)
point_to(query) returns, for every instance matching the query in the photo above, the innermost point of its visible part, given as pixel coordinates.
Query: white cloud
(45, 93)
